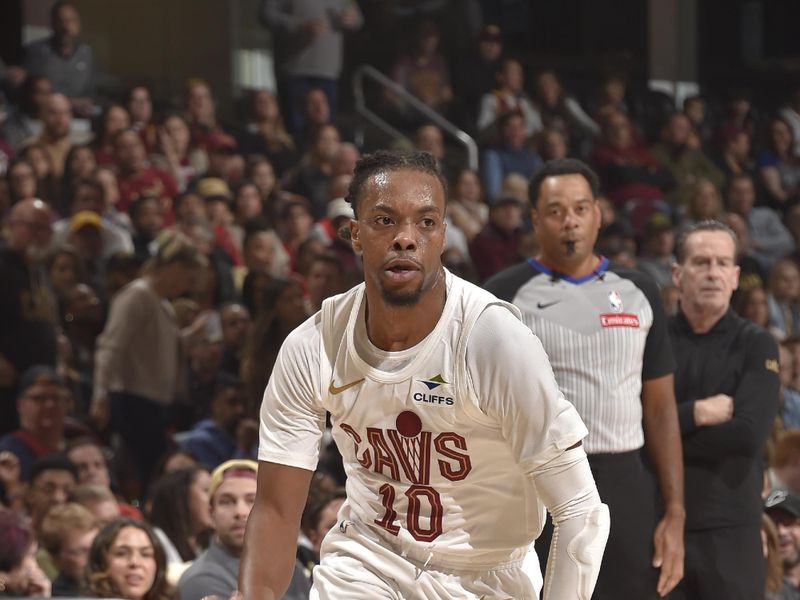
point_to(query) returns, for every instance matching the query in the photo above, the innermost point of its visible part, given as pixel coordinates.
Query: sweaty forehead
(389, 187)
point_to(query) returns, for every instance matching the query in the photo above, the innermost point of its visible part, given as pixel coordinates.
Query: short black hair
(707, 225)
(52, 462)
(85, 182)
(562, 166)
(384, 160)
(138, 205)
(734, 177)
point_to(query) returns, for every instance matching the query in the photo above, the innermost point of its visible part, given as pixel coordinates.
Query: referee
(727, 386)
(604, 329)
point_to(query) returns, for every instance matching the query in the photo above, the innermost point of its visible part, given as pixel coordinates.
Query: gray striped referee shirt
(604, 334)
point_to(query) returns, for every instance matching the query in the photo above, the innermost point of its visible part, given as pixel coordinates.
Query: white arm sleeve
(514, 383)
(581, 524)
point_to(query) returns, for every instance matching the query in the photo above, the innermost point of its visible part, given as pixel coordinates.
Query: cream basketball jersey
(438, 441)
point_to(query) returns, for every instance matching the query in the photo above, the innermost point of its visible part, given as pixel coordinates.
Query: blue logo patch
(434, 382)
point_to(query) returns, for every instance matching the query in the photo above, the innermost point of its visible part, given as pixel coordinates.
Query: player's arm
(580, 525)
(271, 540)
(663, 441)
(292, 422)
(515, 384)
(662, 437)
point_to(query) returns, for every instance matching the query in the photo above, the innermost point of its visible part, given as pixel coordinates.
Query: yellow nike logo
(338, 390)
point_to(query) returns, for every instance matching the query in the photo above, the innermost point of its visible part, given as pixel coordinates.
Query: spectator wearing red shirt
(497, 246)
(138, 178)
(627, 170)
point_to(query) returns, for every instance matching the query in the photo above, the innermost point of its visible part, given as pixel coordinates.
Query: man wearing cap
(497, 245)
(28, 310)
(217, 197)
(224, 159)
(41, 405)
(783, 508)
(87, 195)
(231, 494)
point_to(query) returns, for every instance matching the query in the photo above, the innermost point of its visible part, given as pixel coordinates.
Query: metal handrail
(446, 126)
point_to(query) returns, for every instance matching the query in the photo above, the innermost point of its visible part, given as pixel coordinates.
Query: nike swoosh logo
(338, 390)
(546, 304)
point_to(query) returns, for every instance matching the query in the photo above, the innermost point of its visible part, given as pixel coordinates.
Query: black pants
(629, 490)
(723, 563)
(142, 425)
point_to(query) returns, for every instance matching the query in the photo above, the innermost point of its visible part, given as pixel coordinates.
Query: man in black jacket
(726, 385)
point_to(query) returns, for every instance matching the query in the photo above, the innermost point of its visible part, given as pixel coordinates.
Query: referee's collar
(599, 270)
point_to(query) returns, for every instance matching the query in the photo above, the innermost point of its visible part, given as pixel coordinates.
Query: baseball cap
(339, 208)
(783, 500)
(38, 374)
(213, 187)
(657, 222)
(238, 467)
(85, 218)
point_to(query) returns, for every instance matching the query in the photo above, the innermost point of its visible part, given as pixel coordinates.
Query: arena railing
(368, 72)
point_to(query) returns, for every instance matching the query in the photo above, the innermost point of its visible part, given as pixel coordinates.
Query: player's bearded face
(400, 231)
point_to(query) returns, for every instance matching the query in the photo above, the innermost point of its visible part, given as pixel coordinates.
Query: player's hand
(668, 551)
(713, 410)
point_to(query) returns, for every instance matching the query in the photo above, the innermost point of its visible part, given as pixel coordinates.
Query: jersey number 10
(415, 494)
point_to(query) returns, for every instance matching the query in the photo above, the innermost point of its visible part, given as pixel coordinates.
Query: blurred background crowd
(157, 250)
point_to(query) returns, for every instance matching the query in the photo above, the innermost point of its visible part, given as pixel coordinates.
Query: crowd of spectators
(152, 264)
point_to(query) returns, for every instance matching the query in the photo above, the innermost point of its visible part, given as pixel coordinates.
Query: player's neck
(394, 328)
(577, 268)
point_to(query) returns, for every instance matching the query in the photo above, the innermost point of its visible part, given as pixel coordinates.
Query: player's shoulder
(507, 282)
(500, 319)
(305, 338)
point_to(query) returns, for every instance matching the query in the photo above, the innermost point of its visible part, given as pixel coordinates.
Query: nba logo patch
(615, 300)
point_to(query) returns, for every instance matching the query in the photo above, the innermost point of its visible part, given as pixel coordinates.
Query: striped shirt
(604, 334)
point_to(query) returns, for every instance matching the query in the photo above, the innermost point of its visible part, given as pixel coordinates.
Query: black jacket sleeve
(755, 406)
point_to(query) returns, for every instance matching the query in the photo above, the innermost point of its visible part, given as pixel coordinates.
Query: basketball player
(604, 330)
(444, 407)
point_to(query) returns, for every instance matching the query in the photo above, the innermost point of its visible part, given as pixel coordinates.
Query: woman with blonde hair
(139, 358)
